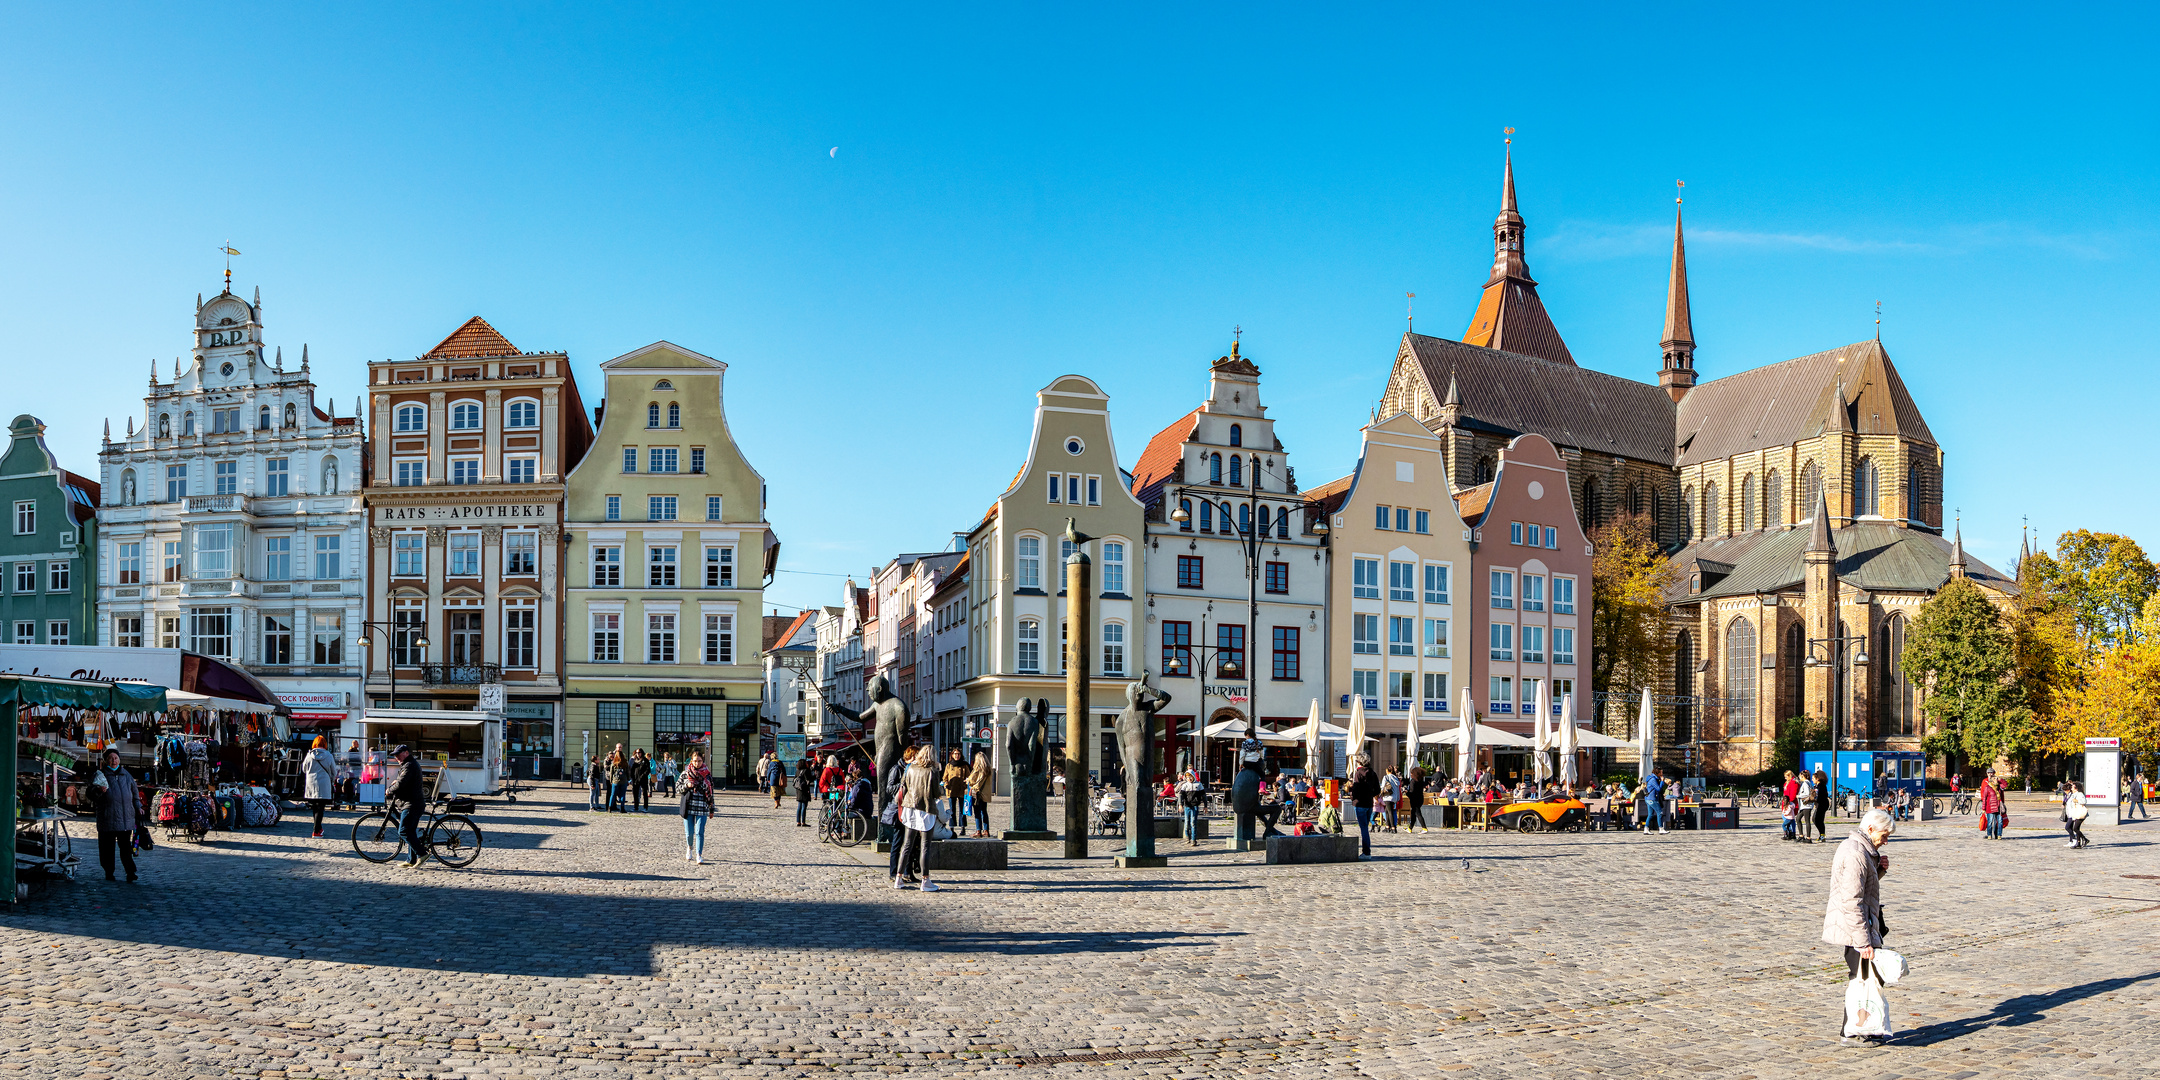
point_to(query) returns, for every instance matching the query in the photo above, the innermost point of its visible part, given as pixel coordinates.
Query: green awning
(71, 694)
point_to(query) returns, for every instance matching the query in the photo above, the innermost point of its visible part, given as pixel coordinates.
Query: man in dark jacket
(113, 790)
(1364, 787)
(407, 798)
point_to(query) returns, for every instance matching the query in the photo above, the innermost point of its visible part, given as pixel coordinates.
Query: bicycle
(451, 839)
(839, 825)
(1962, 803)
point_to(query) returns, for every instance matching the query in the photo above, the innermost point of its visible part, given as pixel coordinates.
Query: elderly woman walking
(1853, 917)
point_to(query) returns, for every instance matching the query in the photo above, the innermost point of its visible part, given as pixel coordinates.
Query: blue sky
(1020, 192)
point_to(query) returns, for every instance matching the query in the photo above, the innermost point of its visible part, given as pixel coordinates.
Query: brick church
(1801, 501)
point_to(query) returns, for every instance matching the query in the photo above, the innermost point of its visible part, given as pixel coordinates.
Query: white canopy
(1235, 729)
(1586, 739)
(1327, 731)
(1484, 736)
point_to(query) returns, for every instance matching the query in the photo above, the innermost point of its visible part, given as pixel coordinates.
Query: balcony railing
(200, 503)
(460, 674)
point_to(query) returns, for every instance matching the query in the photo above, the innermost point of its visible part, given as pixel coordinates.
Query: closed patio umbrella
(1540, 739)
(1357, 727)
(1567, 740)
(1466, 747)
(1646, 736)
(1410, 733)
(1312, 740)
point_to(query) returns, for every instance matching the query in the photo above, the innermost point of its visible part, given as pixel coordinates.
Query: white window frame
(410, 417)
(510, 411)
(479, 415)
(719, 638)
(606, 637)
(661, 637)
(607, 566)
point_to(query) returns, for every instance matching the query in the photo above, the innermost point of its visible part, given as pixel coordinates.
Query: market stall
(54, 727)
(465, 746)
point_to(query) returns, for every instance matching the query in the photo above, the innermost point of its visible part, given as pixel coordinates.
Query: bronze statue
(1027, 750)
(888, 719)
(1136, 742)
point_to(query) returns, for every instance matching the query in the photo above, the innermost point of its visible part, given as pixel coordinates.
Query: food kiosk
(466, 747)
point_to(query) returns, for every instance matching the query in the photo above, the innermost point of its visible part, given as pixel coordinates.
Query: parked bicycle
(837, 824)
(1964, 803)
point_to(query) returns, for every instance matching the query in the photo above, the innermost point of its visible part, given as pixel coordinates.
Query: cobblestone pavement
(583, 945)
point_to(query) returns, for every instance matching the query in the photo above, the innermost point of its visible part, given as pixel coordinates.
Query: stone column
(549, 627)
(491, 568)
(438, 565)
(376, 606)
(551, 469)
(1079, 589)
(383, 436)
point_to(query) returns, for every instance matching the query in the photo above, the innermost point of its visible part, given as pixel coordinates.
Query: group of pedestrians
(1806, 806)
(623, 783)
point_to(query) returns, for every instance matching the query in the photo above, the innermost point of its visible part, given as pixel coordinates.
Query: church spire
(1510, 316)
(1819, 535)
(1957, 549)
(1678, 374)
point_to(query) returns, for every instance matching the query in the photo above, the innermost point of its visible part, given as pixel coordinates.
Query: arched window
(674, 415)
(1282, 524)
(1747, 502)
(524, 414)
(329, 476)
(1632, 500)
(1773, 500)
(412, 418)
(1484, 470)
(465, 416)
(1656, 513)
(187, 423)
(1894, 695)
(1226, 519)
(1237, 435)
(663, 385)
(1027, 571)
(652, 415)
(1713, 512)
(1740, 666)
(1795, 665)
(1029, 659)
(164, 426)
(1864, 487)
(1683, 681)
(1587, 513)
(262, 419)
(1687, 515)
(1214, 468)
(1237, 471)
(1207, 517)
(1244, 517)
(292, 415)
(1810, 491)
(1263, 521)
(1186, 505)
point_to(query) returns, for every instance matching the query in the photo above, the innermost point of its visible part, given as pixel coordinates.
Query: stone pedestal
(1316, 848)
(1140, 862)
(1240, 843)
(1030, 814)
(1173, 828)
(967, 855)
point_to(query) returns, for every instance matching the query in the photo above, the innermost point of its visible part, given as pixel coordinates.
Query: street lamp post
(1830, 652)
(420, 642)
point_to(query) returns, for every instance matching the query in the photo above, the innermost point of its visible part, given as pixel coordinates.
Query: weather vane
(1410, 310)
(1878, 320)
(229, 251)
(1682, 186)
(1510, 132)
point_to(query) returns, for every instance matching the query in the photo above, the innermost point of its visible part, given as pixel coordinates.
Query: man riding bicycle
(407, 798)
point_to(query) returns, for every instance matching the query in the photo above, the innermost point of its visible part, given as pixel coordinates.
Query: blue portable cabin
(1868, 771)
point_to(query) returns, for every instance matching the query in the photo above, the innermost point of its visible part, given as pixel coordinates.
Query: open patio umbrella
(1646, 736)
(1312, 740)
(1540, 738)
(1466, 746)
(1567, 740)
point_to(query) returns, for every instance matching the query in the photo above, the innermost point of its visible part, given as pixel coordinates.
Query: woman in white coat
(321, 772)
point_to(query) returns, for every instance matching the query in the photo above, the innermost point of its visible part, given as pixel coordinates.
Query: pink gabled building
(1528, 592)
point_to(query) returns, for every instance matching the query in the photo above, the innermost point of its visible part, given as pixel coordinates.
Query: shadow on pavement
(443, 920)
(2018, 1011)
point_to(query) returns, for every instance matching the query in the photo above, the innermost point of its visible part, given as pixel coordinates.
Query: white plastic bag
(1866, 1011)
(1890, 965)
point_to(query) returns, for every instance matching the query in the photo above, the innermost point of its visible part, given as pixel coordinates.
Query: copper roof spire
(1510, 316)
(1678, 374)
(1819, 536)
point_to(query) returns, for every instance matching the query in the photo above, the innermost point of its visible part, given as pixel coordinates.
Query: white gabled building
(230, 522)
(1236, 577)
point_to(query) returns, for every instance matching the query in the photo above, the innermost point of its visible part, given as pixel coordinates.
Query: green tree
(1959, 647)
(1630, 580)
(1795, 736)
(2102, 579)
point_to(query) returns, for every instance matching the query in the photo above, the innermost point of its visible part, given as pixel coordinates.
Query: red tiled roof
(1325, 498)
(1471, 503)
(474, 339)
(1160, 459)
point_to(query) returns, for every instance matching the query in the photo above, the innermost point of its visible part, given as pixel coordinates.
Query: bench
(1314, 848)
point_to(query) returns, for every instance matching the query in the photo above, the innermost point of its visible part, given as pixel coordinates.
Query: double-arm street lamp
(419, 643)
(1829, 652)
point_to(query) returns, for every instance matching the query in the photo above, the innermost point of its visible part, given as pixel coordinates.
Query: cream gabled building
(1016, 597)
(668, 553)
(1400, 553)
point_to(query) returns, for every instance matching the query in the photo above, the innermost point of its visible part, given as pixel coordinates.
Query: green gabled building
(48, 572)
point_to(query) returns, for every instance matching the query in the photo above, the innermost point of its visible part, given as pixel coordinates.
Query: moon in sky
(834, 152)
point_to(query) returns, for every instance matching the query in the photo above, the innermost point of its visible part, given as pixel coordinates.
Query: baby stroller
(1109, 813)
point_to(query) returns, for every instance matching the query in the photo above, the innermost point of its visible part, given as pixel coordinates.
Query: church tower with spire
(1677, 377)
(1509, 314)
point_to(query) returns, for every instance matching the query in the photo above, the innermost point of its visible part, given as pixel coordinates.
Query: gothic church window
(1895, 696)
(1684, 688)
(1747, 503)
(1740, 667)
(1588, 512)
(1713, 511)
(1484, 470)
(1810, 489)
(1773, 492)
(1865, 487)
(1687, 515)
(1795, 663)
